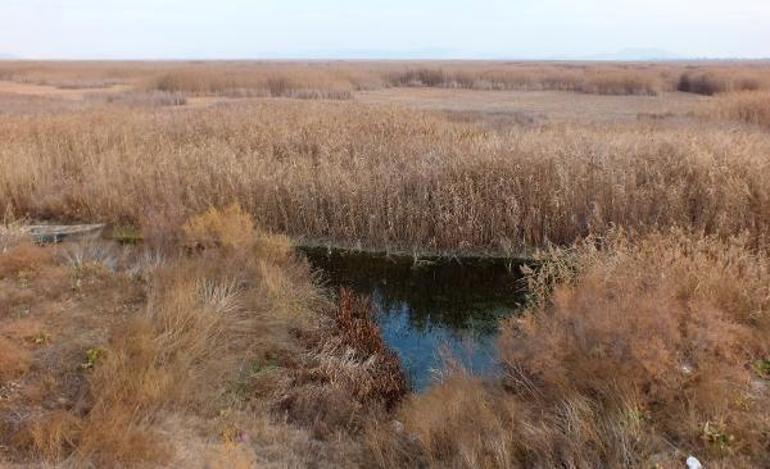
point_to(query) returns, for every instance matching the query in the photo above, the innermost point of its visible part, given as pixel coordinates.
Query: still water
(430, 311)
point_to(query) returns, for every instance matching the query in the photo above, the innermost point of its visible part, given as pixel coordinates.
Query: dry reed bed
(384, 177)
(751, 107)
(338, 79)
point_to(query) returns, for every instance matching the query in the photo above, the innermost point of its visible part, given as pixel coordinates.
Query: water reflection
(431, 309)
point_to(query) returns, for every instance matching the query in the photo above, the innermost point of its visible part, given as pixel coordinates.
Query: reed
(750, 107)
(338, 79)
(384, 177)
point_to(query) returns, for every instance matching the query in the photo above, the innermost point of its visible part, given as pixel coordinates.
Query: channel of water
(431, 311)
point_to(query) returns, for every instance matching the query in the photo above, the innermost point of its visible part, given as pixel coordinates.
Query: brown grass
(752, 107)
(351, 377)
(595, 79)
(338, 80)
(24, 257)
(131, 359)
(210, 344)
(644, 355)
(290, 81)
(355, 327)
(384, 177)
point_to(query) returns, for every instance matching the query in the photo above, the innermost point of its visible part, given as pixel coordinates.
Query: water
(432, 310)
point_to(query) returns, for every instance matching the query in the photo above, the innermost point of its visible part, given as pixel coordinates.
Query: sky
(470, 29)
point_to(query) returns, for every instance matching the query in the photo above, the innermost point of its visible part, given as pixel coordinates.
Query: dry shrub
(645, 353)
(24, 257)
(351, 376)
(354, 326)
(14, 360)
(661, 334)
(721, 80)
(207, 318)
(227, 228)
(704, 84)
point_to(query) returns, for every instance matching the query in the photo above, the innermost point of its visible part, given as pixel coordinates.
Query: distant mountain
(636, 54)
(370, 54)
(4, 56)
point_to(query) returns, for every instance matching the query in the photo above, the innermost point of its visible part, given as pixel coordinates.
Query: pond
(431, 311)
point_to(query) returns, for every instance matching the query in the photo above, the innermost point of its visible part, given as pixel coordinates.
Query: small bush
(24, 257)
(229, 228)
(704, 84)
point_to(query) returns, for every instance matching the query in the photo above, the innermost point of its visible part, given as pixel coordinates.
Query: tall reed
(384, 177)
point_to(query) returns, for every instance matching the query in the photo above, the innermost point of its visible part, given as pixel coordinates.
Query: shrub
(700, 84)
(227, 228)
(643, 354)
(664, 330)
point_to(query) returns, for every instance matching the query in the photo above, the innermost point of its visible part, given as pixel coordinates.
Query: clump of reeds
(751, 107)
(265, 81)
(153, 98)
(595, 80)
(718, 81)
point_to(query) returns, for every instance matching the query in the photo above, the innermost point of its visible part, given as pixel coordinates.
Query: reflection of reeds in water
(460, 295)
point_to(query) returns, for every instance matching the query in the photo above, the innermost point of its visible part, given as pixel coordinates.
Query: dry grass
(646, 353)
(337, 80)
(134, 355)
(209, 344)
(711, 82)
(287, 81)
(595, 79)
(356, 330)
(751, 107)
(350, 377)
(385, 177)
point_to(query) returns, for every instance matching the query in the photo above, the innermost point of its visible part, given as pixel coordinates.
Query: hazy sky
(380, 28)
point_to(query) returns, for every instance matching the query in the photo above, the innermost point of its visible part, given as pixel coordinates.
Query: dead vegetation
(643, 354)
(216, 339)
(339, 79)
(206, 342)
(750, 107)
(384, 177)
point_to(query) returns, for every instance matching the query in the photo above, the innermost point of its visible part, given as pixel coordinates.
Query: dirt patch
(528, 106)
(31, 89)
